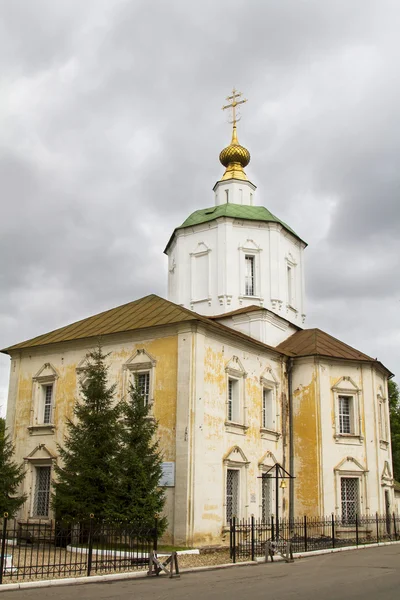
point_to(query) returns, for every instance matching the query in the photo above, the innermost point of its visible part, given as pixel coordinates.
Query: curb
(8, 587)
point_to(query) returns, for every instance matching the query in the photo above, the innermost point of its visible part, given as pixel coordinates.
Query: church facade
(235, 381)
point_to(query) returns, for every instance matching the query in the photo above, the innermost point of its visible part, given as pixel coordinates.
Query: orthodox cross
(233, 103)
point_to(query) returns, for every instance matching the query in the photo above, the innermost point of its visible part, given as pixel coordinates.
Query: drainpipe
(289, 368)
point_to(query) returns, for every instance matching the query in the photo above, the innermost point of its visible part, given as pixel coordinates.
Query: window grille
(249, 278)
(349, 495)
(143, 385)
(232, 494)
(345, 414)
(266, 498)
(42, 492)
(48, 401)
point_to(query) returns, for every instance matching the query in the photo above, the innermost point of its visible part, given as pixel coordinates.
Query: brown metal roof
(150, 311)
(316, 342)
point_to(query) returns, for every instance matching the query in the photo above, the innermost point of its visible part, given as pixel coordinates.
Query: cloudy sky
(111, 128)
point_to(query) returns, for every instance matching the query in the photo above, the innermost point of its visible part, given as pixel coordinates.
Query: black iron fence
(248, 537)
(47, 550)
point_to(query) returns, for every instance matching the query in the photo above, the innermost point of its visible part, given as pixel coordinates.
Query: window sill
(233, 427)
(269, 434)
(246, 297)
(43, 429)
(349, 438)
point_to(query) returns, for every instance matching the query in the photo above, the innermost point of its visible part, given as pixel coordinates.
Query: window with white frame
(268, 409)
(346, 397)
(346, 414)
(41, 499)
(140, 372)
(266, 498)
(43, 400)
(233, 400)
(249, 275)
(142, 384)
(232, 493)
(47, 403)
(350, 494)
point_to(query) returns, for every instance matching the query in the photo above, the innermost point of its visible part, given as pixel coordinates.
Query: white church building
(234, 379)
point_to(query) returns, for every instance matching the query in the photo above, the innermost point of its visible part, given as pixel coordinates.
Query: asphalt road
(372, 574)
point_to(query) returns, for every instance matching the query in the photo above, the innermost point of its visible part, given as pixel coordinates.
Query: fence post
(90, 549)
(394, 526)
(234, 539)
(155, 534)
(333, 530)
(252, 537)
(272, 528)
(3, 546)
(377, 528)
(356, 529)
(305, 534)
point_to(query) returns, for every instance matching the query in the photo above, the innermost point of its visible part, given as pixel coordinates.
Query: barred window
(42, 492)
(266, 498)
(143, 385)
(345, 414)
(249, 275)
(350, 498)
(232, 493)
(48, 403)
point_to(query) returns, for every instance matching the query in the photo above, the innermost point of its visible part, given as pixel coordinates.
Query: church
(235, 380)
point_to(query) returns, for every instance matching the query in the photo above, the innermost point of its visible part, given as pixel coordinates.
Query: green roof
(235, 211)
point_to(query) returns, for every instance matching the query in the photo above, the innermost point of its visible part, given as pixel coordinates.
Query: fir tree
(11, 475)
(140, 498)
(86, 480)
(394, 408)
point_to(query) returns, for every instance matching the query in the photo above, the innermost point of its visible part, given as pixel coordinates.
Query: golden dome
(234, 157)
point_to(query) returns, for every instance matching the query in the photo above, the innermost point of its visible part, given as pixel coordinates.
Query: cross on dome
(234, 157)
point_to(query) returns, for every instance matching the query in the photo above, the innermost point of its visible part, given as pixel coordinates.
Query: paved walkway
(360, 575)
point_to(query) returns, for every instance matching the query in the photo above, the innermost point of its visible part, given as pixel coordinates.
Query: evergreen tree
(87, 477)
(394, 408)
(140, 498)
(11, 475)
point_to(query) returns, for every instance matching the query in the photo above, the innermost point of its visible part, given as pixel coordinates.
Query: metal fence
(248, 537)
(47, 550)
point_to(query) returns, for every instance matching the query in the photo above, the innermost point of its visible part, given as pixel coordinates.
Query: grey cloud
(112, 133)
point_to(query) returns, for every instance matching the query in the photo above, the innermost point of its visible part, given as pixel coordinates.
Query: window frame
(140, 362)
(236, 460)
(47, 376)
(235, 372)
(269, 381)
(250, 259)
(383, 421)
(346, 387)
(34, 513)
(350, 467)
(344, 518)
(250, 249)
(235, 470)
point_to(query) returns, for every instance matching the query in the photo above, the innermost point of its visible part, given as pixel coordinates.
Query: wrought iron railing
(46, 550)
(248, 537)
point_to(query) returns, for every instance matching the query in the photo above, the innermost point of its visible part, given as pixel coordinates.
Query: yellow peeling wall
(307, 444)
(214, 440)
(322, 456)
(65, 359)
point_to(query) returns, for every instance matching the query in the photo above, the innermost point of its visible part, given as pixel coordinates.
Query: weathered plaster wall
(214, 440)
(322, 456)
(65, 358)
